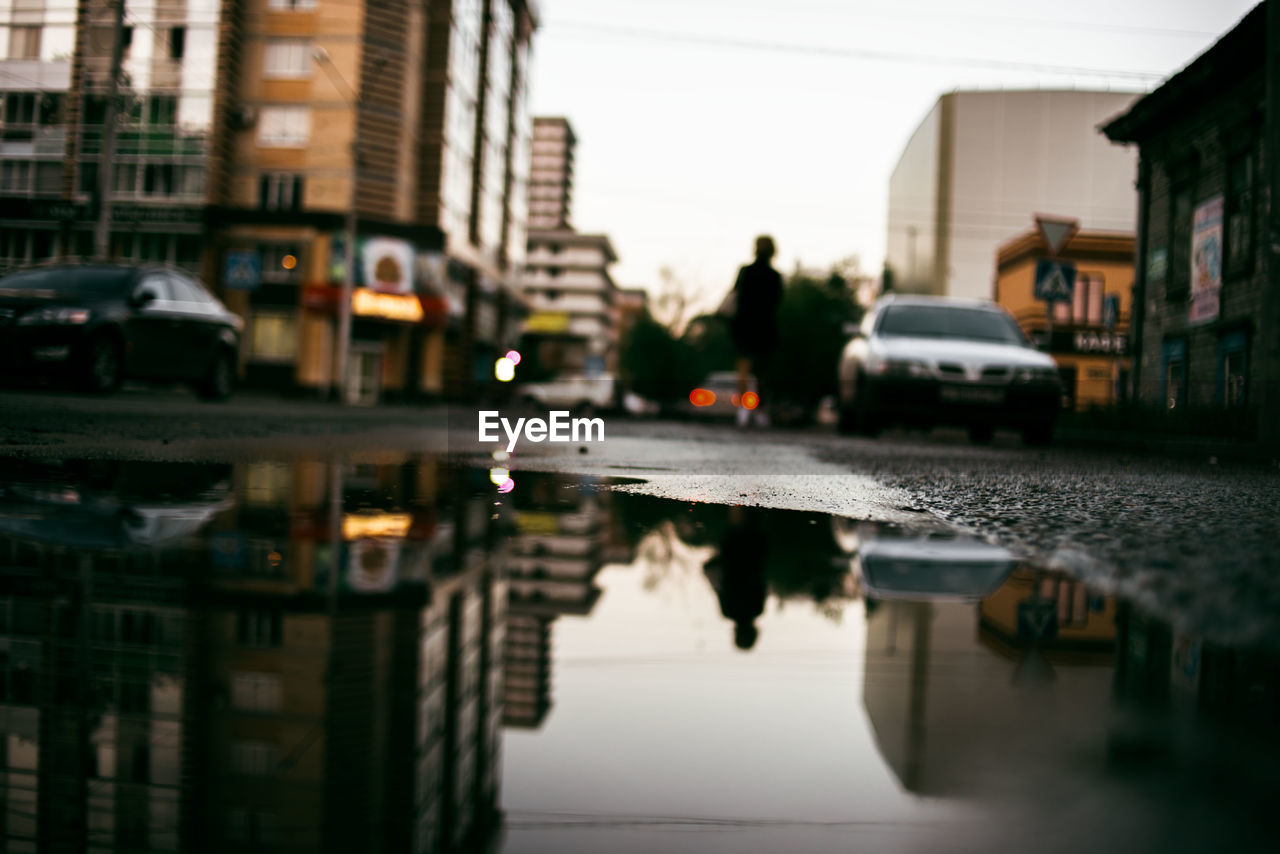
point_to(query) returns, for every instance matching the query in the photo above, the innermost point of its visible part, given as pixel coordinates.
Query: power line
(864, 54)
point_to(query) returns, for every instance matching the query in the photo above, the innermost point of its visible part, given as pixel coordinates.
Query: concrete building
(979, 162)
(1089, 336)
(251, 130)
(572, 326)
(1207, 303)
(551, 173)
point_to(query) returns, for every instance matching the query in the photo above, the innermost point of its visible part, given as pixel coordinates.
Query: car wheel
(220, 380)
(104, 367)
(982, 434)
(1037, 435)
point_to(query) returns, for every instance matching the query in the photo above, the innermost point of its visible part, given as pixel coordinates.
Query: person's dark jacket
(754, 327)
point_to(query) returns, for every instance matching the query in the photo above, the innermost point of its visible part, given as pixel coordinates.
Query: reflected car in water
(922, 361)
(100, 324)
(939, 566)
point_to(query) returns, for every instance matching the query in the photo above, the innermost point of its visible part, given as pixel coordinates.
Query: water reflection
(301, 657)
(319, 656)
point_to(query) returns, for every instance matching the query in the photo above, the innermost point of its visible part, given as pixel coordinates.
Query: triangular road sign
(1056, 231)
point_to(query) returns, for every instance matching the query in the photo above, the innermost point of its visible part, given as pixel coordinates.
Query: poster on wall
(1206, 261)
(387, 265)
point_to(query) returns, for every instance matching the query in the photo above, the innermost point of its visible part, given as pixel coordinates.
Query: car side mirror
(142, 297)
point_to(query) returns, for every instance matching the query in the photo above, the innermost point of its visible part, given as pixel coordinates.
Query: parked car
(100, 324)
(921, 361)
(585, 394)
(716, 396)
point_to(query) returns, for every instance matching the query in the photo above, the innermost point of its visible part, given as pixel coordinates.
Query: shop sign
(381, 524)
(387, 265)
(547, 322)
(1089, 342)
(1206, 261)
(366, 302)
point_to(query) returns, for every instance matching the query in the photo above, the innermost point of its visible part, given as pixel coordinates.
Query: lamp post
(342, 345)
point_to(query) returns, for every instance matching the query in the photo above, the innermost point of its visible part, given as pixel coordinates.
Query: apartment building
(551, 173)
(250, 131)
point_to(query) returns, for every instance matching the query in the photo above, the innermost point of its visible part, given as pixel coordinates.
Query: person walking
(753, 325)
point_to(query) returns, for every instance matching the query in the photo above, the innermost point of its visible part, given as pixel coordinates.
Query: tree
(656, 364)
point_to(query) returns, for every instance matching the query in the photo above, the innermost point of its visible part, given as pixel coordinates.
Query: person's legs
(744, 373)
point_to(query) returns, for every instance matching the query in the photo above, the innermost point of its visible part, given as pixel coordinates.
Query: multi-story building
(250, 131)
(1088, 335)
(979, 162)
(551, 173)
(573, 324)
(1207, 303)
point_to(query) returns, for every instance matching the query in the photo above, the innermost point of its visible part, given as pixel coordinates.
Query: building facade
(1088, 336)
(1207, 325)
(573, 325)
(979, 161)
(551, 173)
(250, 130)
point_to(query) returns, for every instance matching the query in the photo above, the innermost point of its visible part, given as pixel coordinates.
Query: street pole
(106, 158)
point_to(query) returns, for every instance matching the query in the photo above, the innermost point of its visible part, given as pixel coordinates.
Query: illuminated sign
(369, 303)
(547, 321)
(388, 265)
(361, 525)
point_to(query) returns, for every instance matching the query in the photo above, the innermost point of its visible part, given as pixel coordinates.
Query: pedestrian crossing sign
(243, 270)
(1055, 280)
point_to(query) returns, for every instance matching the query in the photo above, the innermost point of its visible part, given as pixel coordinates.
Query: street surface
(747, 639)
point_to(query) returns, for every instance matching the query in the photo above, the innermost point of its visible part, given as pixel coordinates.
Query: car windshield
(934, 321)
(72, 281)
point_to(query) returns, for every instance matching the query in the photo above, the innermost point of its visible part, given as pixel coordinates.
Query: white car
(585, 394)
(921, 361)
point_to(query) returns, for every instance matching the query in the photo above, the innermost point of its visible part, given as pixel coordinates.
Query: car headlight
(1035, 375)
(55, 316)
(898, 368)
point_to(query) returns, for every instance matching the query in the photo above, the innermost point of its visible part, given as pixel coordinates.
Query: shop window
(281, 262)
(1173, 385)
(1239, 213)
(274, 337)
(1232, 369)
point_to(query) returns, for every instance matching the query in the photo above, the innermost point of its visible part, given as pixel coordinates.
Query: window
(1179, 275)
(287, 58)
(284, 126)
(259, 628)
(162, 110)
(281, 262)
(15, 176)
(280, 191)
(19, 108)
(255, 692)
(177, 42)
(1239, 213)
(1230, 385)
(291, 5)
(274, 337)
(254, 758)
(24, 42)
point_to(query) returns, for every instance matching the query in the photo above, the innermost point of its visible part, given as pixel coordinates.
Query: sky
(702, 123)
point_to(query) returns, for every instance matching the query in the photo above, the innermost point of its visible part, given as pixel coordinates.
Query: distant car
(716, 396)
(100, 324)
(585, 394)
(921, 361)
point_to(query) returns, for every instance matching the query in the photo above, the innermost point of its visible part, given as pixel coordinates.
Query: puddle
(312, 655)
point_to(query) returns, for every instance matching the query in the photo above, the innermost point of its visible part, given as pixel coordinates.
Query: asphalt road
(1194, 536)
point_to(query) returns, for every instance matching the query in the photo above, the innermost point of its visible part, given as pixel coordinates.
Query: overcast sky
(701, 123)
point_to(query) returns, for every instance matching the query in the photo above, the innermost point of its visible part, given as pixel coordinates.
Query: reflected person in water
(737, 574)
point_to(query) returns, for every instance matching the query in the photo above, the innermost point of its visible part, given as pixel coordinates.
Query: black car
(99, 324)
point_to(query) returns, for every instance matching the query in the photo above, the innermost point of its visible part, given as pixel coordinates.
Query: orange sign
(369, 303)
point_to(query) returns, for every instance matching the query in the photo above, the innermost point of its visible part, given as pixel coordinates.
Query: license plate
(960, 394)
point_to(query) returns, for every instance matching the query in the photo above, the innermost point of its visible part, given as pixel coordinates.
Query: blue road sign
(1055, 280)
(243, 270)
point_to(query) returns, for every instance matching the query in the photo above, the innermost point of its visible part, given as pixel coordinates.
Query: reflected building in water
(302, 657)
(563, 534)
